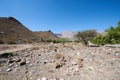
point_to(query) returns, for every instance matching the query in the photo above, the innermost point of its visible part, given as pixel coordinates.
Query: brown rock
(79, 63)
(57, 65)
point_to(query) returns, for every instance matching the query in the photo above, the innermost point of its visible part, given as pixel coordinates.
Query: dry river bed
(69, 61)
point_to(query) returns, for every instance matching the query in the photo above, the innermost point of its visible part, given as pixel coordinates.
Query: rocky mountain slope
(12, 31)
(46, 35)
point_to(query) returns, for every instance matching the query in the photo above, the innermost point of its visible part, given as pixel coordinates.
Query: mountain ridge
(13, 31)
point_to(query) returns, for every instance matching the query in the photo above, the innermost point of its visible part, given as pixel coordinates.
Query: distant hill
(12, 31)
(67, 34)
(46, 35)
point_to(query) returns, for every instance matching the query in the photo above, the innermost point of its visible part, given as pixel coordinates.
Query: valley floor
(69, 61)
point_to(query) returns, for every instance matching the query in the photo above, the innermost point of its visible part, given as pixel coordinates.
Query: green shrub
(85, 36)
(99, 39)
(60, 40)
(6, 55)
(112, 36)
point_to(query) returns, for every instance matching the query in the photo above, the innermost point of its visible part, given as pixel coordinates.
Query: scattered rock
(92, 45)
(61, 79)
(51, 71)
(73, 63)
(10, 65)
(11, 61)
(27, 62)
(39, 79)
(45, 61)
(9, 69)
(78, 53)
(67, 65)
(2, 61)
(68, 74)
(57, 65)
(23, 63)
(44, 78)
(39, 54)
(79, 63)
(18, 60)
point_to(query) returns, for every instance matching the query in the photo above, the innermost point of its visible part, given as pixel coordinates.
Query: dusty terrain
(71, 61)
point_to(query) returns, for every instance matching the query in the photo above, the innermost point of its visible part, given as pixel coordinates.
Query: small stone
(9, 69)
(57, 65)
(16, 69)
(10, 65)
(18, 60)
(55, 50)
(54, 79)
(39, 54)
(76, 72)
(79, 63)
(68, 74)
(51, 71)
(78, 53)
(73, 63)
(31, 78)
(61, 79)
(45, 61)
(11, 61)
(16, 65)
(27, 62)
(31, 65)
(71, 68)
(44, 78)
(22, 63)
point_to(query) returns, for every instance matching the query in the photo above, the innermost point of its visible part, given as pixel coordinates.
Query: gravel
(78, 62)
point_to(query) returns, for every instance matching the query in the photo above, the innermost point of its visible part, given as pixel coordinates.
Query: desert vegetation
(85, 36)
(112, 36)
(60, 40)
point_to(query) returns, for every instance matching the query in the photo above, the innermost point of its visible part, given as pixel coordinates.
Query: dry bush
(58, 56)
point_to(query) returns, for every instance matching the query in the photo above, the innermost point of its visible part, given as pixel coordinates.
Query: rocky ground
(70, 61)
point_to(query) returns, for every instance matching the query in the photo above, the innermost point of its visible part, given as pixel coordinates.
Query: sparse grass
(60, 40)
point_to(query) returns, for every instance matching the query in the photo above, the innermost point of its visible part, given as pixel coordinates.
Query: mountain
(46, 35)
(12, 31)
(67, 34)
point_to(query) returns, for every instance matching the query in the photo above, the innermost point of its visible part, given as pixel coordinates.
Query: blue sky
(62, 15)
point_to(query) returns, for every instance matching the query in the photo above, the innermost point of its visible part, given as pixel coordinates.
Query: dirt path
(12, 48)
